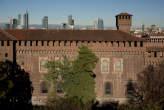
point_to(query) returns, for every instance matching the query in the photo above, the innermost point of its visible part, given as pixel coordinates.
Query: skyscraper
(70, 20)
(23, 21)
(26, 20)
(100, 24)
(45, 22)
(143, 28)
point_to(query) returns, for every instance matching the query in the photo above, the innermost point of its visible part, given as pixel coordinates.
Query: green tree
(82, 82)
(5, 83)
(58, 73)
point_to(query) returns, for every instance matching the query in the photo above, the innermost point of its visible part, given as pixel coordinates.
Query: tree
(5, 83)
(15, 85)
(77, 78)
(58, 73)
(149, 89)
(82, 82)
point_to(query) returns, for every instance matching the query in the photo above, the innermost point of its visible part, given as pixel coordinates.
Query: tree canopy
(77, 77)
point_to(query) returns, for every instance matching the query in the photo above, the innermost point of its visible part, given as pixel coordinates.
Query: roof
(3, 36)
(155, 48)
(124, 13)
(89, 35)
(158, 34)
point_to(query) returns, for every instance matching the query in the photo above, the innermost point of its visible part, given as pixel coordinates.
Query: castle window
(30, 43)
(2, 43)
(141, 44)
(22, 63)
(135, 43)
(155, 54)
(105, 65)
(44, 88)
(42, 62)
(118, 65)
(8, 43)
(6, 54)
(129, 43)
(108, 88)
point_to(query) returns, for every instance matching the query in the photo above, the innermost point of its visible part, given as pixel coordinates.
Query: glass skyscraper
(100, 24)
(45, 22)
(23, 21)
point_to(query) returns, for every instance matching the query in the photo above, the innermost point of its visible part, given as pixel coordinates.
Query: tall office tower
(100, 24)
(23, 21)
(143, 28)
(26, 20)
(95, 25)
(45, 22)
(153, 28)
(70, 20)
(13, 23)
(124, 22)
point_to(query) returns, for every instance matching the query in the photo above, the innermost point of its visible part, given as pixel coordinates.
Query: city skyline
(84, 12)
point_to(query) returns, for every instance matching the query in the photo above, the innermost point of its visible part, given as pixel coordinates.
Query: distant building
(153, 28)
(100, 24)
(7, 26)
(159, 30)
(95, 25)
(143, 28)
(45, 22)
(13, 23)
(70, 20)
(64, 26)
(23, 21)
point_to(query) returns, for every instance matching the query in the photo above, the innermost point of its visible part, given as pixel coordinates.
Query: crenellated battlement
(80, 43)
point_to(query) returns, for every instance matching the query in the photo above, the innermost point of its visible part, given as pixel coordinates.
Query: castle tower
(124, 22)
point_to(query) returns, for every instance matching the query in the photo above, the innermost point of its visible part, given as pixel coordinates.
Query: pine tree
(82, 85)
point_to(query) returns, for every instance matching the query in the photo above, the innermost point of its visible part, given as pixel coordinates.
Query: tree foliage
(58, 73)
(76, 78)
(149, 89)
(15, 87)
(5, 83)
(83, 84)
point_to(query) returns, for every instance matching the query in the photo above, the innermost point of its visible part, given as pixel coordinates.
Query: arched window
(42, 65)
(108, 88)
(44, 88)
(105, 66)
(118, 66)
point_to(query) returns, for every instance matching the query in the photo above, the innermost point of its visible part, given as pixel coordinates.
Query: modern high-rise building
(153, 28)
(143, 27)
(100, 24)
(95, 25)
(23, 21)
(13, 23)
(26, 21)
(45, 22)
(70, 20)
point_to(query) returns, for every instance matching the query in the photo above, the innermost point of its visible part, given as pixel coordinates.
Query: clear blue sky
(85, 11)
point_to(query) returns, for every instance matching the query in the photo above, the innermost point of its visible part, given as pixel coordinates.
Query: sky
(85, 12)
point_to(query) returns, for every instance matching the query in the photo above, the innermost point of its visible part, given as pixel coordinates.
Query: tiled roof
(159, 34)
(94, 35)
(155, 48)
(3, 36)
(124, 13)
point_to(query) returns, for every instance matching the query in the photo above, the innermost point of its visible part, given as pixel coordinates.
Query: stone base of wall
(106, 100)
(39, 100)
